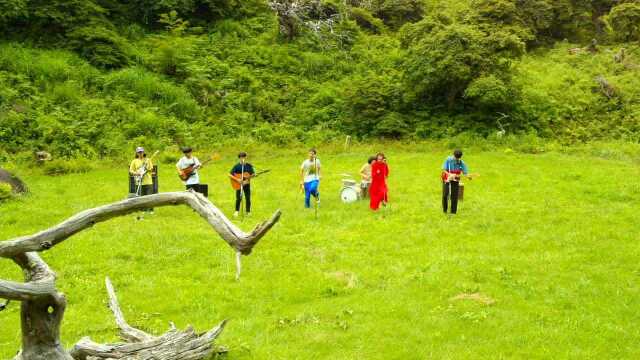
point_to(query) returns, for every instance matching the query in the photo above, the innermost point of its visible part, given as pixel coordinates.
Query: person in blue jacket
(452, 169)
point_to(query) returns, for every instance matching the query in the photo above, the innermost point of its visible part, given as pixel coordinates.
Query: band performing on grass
(373, 180)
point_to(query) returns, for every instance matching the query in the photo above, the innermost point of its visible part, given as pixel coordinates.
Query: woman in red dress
(378, 191)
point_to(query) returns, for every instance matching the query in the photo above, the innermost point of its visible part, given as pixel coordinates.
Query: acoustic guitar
(237, 178)
(187, 172)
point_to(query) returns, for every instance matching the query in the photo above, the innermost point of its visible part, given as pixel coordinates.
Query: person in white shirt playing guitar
(187, 167)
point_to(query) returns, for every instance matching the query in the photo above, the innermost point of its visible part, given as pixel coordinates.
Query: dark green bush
(101, 46)
(367, 21)
(624, 19)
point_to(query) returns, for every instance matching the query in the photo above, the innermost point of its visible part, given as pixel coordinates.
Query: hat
(187, 149)
(139, 149)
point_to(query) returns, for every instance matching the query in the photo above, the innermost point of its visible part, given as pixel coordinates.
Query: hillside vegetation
(92, 77)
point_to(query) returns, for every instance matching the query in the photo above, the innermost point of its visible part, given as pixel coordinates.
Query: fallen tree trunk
(42, 306)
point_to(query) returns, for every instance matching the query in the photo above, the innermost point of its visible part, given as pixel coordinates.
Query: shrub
(278, 134)
(624, 19)
(100, 45)
(488, 92)
(367, 21)
(170, 157)
(62, 167)
(395, 13)
(140, 84)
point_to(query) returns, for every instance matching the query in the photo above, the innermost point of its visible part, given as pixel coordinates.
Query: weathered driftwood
(42, 305)
(174, 344)
(17, 185)
(620, 56)
(605, 87)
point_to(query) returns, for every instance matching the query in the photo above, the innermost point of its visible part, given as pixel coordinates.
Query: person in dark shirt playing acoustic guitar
(240, 175)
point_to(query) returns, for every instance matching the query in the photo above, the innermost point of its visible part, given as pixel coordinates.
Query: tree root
(138, 345)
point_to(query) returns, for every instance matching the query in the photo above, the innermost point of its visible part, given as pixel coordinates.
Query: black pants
(246, 189)
(452, 189)
(195, 187)
(144, 190)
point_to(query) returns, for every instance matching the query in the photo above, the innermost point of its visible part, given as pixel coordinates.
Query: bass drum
(349, 195)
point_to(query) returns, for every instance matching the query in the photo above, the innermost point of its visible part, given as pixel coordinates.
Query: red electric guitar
(447, 176)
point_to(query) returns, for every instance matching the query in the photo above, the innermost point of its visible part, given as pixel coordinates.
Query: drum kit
(350, 191)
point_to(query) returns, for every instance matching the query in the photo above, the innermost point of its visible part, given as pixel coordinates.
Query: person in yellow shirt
(141, 169)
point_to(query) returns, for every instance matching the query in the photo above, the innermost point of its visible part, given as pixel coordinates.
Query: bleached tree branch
(236, 238)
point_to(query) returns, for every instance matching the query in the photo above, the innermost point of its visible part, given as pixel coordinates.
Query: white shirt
(311, 169)
(184, 163)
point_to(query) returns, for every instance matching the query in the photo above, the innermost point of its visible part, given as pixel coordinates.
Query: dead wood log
(575, 51)
(605, 87)
(620, 56)
(174, 344)
(236, 238)
(17, 186)
(43, 306)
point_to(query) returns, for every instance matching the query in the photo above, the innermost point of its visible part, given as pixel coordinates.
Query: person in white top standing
(188, 166)
(310, 178)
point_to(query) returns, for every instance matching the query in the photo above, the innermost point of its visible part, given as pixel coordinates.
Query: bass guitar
(237, 178)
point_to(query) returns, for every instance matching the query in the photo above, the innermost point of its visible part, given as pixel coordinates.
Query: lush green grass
(551, 238)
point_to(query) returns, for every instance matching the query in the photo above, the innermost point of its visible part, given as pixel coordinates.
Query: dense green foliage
(555, 247)
(93, 77)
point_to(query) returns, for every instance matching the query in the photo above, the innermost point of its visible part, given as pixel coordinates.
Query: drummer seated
(365, 174)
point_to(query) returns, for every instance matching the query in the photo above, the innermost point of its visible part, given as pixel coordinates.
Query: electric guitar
(237, 178)
(448, 177)
(187, 172)
(143, 169)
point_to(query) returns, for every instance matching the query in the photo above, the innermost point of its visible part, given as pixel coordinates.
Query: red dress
(378, 191)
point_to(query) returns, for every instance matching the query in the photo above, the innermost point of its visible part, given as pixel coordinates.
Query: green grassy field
(551, 239)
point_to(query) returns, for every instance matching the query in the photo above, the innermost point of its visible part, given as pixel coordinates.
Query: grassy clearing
(550, 238)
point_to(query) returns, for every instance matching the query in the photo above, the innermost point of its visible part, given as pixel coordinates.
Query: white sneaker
(235, 214)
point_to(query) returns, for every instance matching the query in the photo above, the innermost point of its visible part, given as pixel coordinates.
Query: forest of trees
(91, 77)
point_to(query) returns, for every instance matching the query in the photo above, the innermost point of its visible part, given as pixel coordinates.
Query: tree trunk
(41, 321)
